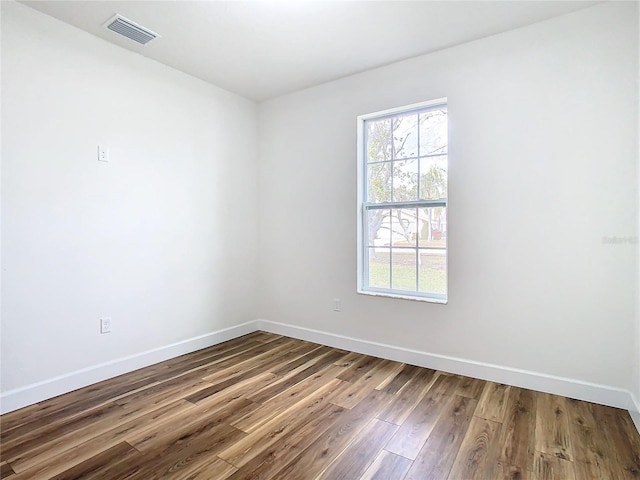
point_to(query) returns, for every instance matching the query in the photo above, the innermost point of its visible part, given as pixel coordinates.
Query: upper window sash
(409, 110)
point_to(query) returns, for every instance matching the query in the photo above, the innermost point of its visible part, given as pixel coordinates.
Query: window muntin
(403, 202)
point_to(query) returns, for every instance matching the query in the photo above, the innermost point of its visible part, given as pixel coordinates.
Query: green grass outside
(404, 278)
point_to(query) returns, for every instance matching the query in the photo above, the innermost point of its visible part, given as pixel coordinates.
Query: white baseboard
(37, 392)
(591, 392)
(567, 387)
(635, 411)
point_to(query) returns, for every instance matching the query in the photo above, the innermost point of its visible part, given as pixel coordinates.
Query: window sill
(375, 293)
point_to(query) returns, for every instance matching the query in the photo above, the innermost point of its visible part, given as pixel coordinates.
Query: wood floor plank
(21, 446)
(412, 435)
(624, 439)
(593, 451)
(84, 398)
(285, 400)
(95, 398)
(182, 426)
(629, 429)
(493, 402)
(58, 444)
(435, 460)
(517, 438)
(6, 471)
(95, 468)
(175, 388)
(54, 461)
(293, 367)
(478, 454)
(239, 390)
(244, 450)
(381, 374)
(216, 359)
(206, 359)
(267, 463)
(312, 367)
(360, 454)
(470, 387)
(406, 400)
(10, 420)
(257, 364)
(580, 412)
(551, 467)
(349, 359)
(359, 368)
(401, 379)
(597, 470)
(213, 468)
(387, 466)
(315, 459)
(552, 427)
(348, 394)
(505, 471)
(445, 385)
(263, 440)
(269, 407)
(64, 439)
(195, 449)
(229, 367)
(266, 337)
(246, 370)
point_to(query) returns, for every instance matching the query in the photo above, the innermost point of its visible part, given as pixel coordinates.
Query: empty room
(303, 240)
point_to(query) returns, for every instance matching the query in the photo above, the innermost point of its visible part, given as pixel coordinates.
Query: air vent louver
(131, 30)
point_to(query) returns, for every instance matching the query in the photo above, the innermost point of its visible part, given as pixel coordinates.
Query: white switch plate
(103, 154)
(105, 325)
(337, 305)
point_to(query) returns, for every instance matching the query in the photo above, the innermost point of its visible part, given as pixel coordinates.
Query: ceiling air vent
(130, 29)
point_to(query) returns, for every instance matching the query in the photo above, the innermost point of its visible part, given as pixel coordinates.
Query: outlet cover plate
(105, 325)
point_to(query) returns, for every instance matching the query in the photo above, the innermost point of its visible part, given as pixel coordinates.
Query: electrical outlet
(337, 305)
(103, 154)
(105, 325)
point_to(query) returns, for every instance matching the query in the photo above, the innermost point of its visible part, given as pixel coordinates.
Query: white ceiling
(264, 49)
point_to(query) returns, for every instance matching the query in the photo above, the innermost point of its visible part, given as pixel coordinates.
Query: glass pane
(432, 227)
(433, 178)
(433, 132)
(379, 232)
(405, 180)
(403, 275)
(378, 140)
(378, 259)
(405, 136)
(404, 227)
(379, 182)
(433, 271)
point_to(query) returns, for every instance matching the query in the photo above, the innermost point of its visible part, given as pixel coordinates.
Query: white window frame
(363, 207)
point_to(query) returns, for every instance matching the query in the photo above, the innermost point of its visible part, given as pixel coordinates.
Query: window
(402, 197)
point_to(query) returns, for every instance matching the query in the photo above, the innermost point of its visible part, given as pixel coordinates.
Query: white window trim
(362, 184)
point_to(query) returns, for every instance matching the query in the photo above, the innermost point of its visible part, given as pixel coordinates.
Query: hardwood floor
(268, 407)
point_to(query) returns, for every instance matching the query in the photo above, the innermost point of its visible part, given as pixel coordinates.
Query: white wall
(543, 164)
(161, 238)
(635, 390)
(636, 362)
